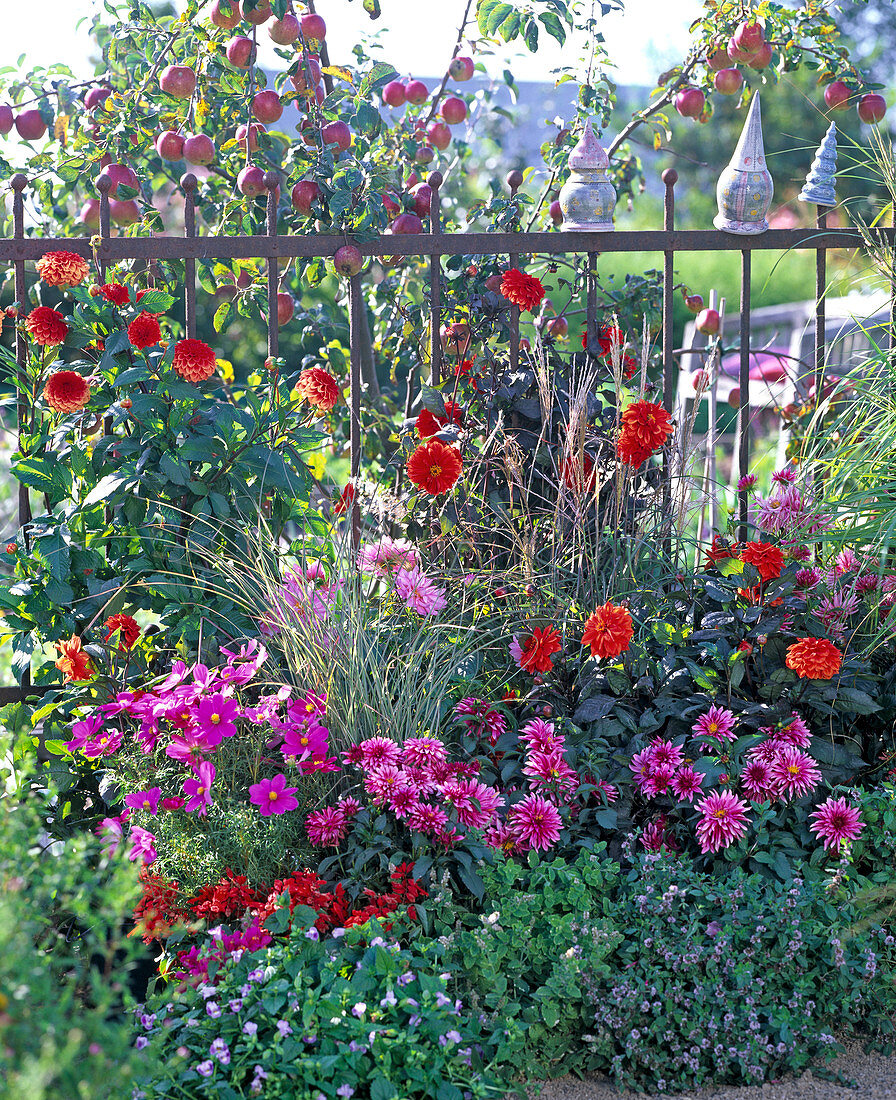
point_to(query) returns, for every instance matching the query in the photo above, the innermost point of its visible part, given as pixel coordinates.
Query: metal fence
(106, 249)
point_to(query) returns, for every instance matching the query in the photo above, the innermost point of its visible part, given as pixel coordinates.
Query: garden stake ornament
(744, 191)
(588, 199)
(819, 185)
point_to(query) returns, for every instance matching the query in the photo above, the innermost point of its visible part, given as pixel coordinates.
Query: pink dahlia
(659, 780)
(717, 723)
(383, 781)
(536, 822)
(610, 793)
(402, 800)
(756, 780)
(385, 557)
(796, 732)
(419, 593)
(686, 783)
(379, 750)
(835, 821)
(326, 827)
(723, 820)
(501, 834)
(423, 752)
(665, 753)
(539, 736)
(794, 773)
(479, 717)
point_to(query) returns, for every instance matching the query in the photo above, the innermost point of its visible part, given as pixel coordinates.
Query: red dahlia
(609, 631)
(434, 467)
(814, 658)
(73, 663)
(523, 290)
(144, 331)
(537, 653)
(115, 293)
(46, 326)
(768, 559)
(428, 423)
(127, 628)
(66, 391)
(193, 360)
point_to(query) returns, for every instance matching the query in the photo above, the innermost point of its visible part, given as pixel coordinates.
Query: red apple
(304, 194)
(493, 283)
(461, 68)
(748, 37)
(256, 13)
(124, 211)
(286, 30)
(872, 107)
(252, 131)
(438, 134)
(407, 223)
(30, 125)
(90, 214)
(455, 336)
(699, 380)
(728, 81)
(837, 95)
(7, 118)
(689, 102)
(307, 131)
(454, 110)
(286, 307)
(708, 322)
(178, 81)
(250, 182)
(422, 196)
(240, 52)
(307, 76)
(170, 145)
(97, 96)
(694, 302)
(717, 58)
(416, 91)
(557, 328)
(338, 134)
(199, 149)
(412, 181)
(348, 260)
(266, 106)
(424, 154)
(556, 213)
(762, 58)
(121, 176)
(394, 94)
(391, 203)
(225, 13)
(313, 27)
(738, 54)
(734, 398)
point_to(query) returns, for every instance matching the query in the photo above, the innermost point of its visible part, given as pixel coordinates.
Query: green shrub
(316, 1017)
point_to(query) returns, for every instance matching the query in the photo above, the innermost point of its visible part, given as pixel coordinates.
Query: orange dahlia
(537, 652)
(434, 467)
(193, 360)
(428, 423)
(768, 559)
(814, 658)
(115, 293)
(318, 388)
(645, 428)
(62, 269)
(144, 331)
(523, 290)
(73, 663)
(66, 391)
(126, 627)
(46, 326)
(608, 631)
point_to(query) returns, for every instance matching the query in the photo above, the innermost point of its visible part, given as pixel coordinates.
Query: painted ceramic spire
(744, 191)
(588, 199)
(819, 185)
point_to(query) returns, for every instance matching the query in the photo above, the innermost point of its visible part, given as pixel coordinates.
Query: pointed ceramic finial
(588, 198)
(744, 191)
(819, 185)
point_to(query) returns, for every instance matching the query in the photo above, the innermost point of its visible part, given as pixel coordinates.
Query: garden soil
(861, 1077)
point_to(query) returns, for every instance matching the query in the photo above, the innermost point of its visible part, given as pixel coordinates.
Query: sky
(650, 35)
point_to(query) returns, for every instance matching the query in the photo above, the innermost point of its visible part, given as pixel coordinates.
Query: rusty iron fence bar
(743, 416)
(114, 249)
(820, 292)
(272, 182)
(435, 284)
(355, 305)
(670, 178)
(189, 184)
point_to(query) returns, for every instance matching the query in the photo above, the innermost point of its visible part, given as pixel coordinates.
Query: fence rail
(106, 249)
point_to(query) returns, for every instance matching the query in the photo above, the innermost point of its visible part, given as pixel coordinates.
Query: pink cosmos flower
(665, 753)
(423, 752)
(215, 717)
(419, 593)
(111, 832)
(536, 822)
(539, 736)
(326, 827)
(717, 723)
(388, 555)
(686, 783)
(516, 652)
(84, 731)
(756, 780)
(147, 800)
(103, 744)
(794, 773)
(723, 820)
(379, 750)
(836, 821)
(198, 791)
(272, 796)
(189, 747)
(142, 845)
(304, 741)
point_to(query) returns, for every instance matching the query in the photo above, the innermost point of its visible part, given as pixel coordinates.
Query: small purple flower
(220, 1050)
(284, 1028)
(236, 1004)
(250, 1028)
(205, 1069)
(148, 1021)
(389, 999)
(213, 1009)
(345, 1091)
(312, 934)
(255, 975)
(359, 1009)
(141, 1042)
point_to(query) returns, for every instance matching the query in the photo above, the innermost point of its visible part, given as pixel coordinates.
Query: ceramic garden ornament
(588, 199)
(744, 191)
(819, 185)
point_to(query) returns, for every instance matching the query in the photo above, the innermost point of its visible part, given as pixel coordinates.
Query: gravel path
(871, 1077)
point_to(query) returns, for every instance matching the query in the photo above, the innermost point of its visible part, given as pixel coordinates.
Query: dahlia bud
(762, 639)
(10, 548)
(94, 290)
(127, 403)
